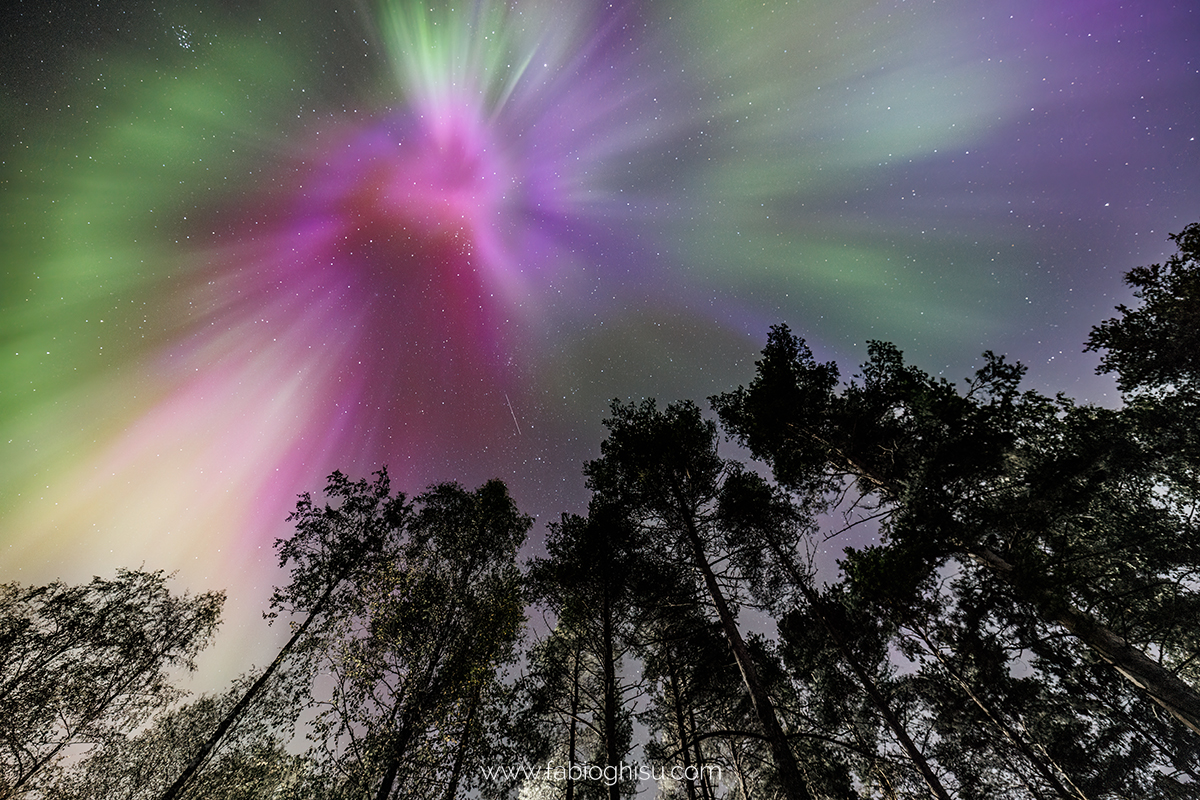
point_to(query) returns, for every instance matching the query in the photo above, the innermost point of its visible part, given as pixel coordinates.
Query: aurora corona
(251, 247)
(365, 300)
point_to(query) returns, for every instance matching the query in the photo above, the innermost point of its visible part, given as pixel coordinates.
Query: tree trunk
(464, 741)
(705, 789)
(1162, 685)
(610, 695)
(396, 754)
(424, 697)
(177, 788)
(680, 723)
(860, 673)
(574, 722)
(741, 771)
(794, 786)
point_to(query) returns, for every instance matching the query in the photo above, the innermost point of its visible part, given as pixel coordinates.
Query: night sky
(244, 244)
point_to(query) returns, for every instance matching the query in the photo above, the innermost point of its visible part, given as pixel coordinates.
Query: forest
(1023, 626)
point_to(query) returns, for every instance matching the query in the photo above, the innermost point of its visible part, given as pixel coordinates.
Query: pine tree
(662, 467)
(1055, 501)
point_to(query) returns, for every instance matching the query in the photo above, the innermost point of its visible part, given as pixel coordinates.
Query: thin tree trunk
(464, 741)
(860, 673)
(680, 723)
(574, 722)
(705, 788)
(610, 695)
(1034, 791)
(176, 789)
(741, 771)
(793, 783)
(1162, 685)
(1009, 732)
(399, 745)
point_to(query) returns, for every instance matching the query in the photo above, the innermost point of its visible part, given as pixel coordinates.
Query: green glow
(97, 219)
(809, 97)
(444, 55)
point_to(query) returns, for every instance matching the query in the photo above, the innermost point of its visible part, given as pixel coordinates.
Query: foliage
(359, 527)
(1157, 345)
(252, 762)
(82, 665)
(1068, 518)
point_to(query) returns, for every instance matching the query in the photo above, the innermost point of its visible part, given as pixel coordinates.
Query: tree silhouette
(420, 646)
(83, 664)
(587, 581)
(1055, 500)
(662, 467)
(332, 545)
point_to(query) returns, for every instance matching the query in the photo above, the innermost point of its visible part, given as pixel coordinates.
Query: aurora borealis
(245, 246)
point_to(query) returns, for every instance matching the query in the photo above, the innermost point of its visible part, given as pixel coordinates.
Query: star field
(243, 247)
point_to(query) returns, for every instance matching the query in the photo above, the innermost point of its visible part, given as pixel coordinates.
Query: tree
(1157, 345)
(662, 467)
(420, 649)
(983, 715)
(555, 728)
(1055, 501)
(1154, 349)
(760, 513)
(410, 611)
(80, 665)
(588, 581)
(332, 545)
(853, 698)
(698, 700)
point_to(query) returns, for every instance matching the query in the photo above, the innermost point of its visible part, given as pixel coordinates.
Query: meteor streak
(514, 414)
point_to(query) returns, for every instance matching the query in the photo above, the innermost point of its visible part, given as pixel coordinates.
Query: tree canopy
(82, 666)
